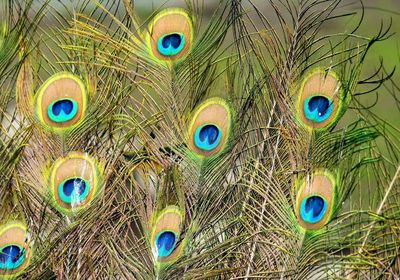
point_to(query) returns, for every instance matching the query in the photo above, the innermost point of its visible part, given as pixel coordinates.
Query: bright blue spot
(62, 105)
(73, 190)
(171, 44)
(318, 108)
(207, 137)
(312, 209)
(11, 257)
(62, 110)
(165, 243)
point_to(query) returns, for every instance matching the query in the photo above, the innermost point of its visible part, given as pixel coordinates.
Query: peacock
(236, 139)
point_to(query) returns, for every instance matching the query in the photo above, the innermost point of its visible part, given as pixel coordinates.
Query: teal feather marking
(207, 137)
(171, 44)
(73, 190)
(165, 243)
(62, 110)
(318, 108)
(11, 257)
(313, 209)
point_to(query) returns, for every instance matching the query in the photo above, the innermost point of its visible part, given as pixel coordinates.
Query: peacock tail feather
(242, 142)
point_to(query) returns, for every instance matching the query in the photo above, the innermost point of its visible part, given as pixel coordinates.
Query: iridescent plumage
(237, 144)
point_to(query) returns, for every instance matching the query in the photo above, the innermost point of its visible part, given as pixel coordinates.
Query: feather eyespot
(321, 100)
(315, 200)
(170, 34)
(207, 137)
(210, 127)
(165, 243)
(318, 108)
(61, 102)
(166, 230)
(171, 44)
(15, 253)
(11, 257)
(74, 182)
(313, 209)
(62, 110)
(74, 190)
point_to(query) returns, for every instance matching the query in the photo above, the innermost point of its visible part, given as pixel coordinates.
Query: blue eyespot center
(62, 110)
(171, 44)
(313, 209)
(318, 108)
(11, 257)
(73, 190)
(207, 137)
(165, 243)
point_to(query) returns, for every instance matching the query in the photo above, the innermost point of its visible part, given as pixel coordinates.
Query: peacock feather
(196, 140)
